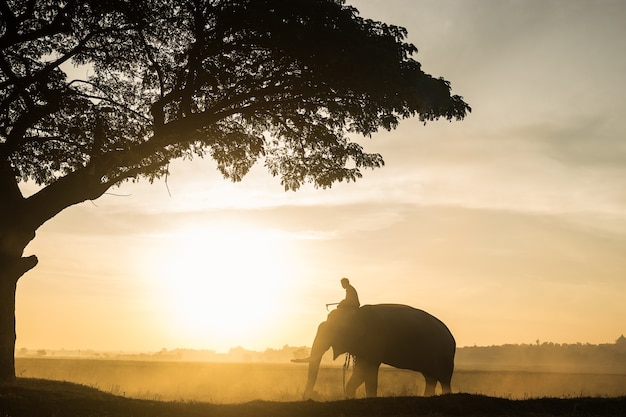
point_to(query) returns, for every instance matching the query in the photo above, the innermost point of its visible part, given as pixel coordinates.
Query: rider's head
(345, 282)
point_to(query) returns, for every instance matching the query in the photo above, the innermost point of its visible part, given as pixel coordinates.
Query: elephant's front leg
(363, 372)
(355, 381)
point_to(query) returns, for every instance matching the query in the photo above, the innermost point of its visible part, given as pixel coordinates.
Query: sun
(223, 287)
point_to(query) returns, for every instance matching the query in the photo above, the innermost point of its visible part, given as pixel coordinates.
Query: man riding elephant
(352, 298)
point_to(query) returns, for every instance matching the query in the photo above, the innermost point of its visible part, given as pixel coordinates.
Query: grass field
(228, 383)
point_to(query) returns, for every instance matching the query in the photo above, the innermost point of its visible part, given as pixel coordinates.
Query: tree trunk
(19, 219)
(7, 325)
(10, 271)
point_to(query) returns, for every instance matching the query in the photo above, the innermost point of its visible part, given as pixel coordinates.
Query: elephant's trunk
(320, 345)
(314, 367)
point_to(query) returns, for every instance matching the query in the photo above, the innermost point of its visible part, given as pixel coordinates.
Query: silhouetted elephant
(397, 335)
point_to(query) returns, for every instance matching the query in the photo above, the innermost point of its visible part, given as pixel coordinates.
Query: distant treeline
(548, 356)
(236, 354)
(540, 356)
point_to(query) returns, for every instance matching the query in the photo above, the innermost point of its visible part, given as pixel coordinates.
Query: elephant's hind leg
(371, 379)
(445, 387)
(431, 383)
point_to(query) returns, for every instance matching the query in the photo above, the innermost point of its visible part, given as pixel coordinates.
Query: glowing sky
(509, 226)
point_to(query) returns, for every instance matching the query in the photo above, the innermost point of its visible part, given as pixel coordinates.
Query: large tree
(278, 82)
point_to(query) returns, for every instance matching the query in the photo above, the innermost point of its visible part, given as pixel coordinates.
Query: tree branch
(71, 189)
(10, 38)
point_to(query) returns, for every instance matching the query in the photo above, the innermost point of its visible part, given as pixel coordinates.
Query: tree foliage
(280, 81)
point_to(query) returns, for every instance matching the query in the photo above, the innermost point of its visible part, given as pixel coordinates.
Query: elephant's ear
(338, 351)
(342, 326)
(349, 341)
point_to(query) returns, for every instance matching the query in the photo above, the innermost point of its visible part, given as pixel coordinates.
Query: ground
(43, 398)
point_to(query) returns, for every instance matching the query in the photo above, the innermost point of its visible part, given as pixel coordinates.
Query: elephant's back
(395, 317)
(410, 338)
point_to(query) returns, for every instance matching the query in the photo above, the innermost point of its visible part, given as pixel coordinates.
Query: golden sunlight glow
(222, 287)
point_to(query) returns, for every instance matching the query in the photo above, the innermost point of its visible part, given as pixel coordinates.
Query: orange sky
(509, 226)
